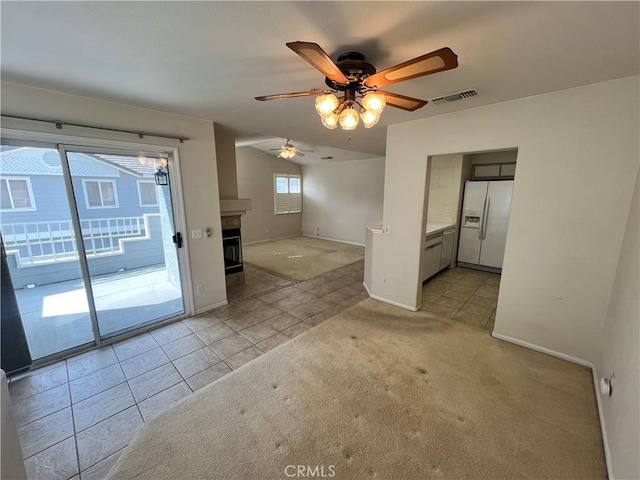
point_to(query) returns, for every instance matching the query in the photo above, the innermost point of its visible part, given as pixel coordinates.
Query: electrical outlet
(196, 233)
(387, 229)
(199, 289)
(447, 209)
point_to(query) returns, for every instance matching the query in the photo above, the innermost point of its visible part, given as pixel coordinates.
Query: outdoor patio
(56, 316)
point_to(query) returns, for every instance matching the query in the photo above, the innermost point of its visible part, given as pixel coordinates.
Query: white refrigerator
(483, 227)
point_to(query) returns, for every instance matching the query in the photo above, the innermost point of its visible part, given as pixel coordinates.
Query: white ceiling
(210, 59)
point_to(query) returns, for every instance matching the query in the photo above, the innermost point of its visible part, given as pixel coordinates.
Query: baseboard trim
(211, 307)
(272, 239)
(596, 386)
(548, 351)
(334, 240)
(391, 302)
(605, 442)
(364, 284)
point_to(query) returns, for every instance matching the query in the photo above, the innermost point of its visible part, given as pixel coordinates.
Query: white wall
(197, 162)
(578, 156)
(255, 181)
(340, 197)
(444, 188)
(619, 355)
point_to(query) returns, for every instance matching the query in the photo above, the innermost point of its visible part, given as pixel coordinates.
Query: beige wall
(340, 197)
(444, 188)
(255, 181)
(197, 163)
(620, 344)
(226, 161)
(578, 156)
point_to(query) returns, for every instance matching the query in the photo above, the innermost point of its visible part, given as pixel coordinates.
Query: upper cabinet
(496, 171)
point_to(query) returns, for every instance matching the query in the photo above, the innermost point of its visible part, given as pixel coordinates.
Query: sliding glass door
(127, 226)
(125, 271)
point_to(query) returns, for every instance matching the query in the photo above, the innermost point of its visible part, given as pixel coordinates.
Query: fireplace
(232, 247)
(232, 250)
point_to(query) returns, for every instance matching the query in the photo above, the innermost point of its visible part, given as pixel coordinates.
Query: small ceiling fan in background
(360, 83)
(289, 151)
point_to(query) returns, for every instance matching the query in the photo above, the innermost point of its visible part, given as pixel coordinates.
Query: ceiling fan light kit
(360, 83)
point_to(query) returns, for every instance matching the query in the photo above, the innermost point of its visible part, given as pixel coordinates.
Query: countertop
(375, 227)
(433, 227)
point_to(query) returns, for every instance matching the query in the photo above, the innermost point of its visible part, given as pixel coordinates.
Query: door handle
(486, 219)
(482, 217)
(177, 239)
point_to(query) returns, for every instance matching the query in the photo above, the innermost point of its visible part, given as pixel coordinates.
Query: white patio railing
(36, 243)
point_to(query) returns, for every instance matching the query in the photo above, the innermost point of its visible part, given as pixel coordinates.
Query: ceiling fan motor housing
(355, 68)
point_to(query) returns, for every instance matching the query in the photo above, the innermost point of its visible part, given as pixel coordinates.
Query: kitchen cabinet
(432, 256)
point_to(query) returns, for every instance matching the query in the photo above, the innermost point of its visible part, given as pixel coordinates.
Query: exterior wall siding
(51, 206)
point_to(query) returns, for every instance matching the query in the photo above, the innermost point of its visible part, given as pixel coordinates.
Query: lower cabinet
(431, 257)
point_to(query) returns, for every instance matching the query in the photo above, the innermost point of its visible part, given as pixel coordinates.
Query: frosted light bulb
(374, 102)
(349, 119)
(326, 104)
(369, 118)
(330, 121)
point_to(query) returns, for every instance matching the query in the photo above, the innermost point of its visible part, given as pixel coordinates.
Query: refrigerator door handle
(486, 217)
(482, 217)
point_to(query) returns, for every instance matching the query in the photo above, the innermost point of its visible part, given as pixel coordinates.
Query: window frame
(288, 195)
(99, 181)
(32, 199)
(145, 205)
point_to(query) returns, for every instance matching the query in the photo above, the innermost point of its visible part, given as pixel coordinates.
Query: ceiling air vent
(454, 97)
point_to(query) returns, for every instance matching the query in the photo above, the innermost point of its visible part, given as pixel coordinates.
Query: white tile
(101, 406)
(144, 362)
(107, 437)
(58, 462)
(154, 381)
(163, 400)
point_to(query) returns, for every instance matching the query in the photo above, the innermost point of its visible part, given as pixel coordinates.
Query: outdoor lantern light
(162, 172)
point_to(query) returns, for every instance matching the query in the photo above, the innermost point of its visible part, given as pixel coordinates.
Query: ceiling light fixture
(334, 110)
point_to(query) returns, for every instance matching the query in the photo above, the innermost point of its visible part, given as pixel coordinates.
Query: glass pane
(108, 197)
(294, 185)
(148, 194)
(281, 185)
(5, 201)
(42, 253)
(93, 194)
(133, 262)
(20, 193)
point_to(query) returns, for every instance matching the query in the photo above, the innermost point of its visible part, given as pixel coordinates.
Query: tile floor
(469, 296)
(75, 417)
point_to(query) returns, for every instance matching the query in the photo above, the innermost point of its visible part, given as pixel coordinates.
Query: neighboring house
(117, 205)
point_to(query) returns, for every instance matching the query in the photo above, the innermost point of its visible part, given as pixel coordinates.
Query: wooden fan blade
(409, 104)
(280, 96)
(318, 58)
(438, 61)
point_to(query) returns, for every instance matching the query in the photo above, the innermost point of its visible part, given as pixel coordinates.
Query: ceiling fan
(360, 83)
(289, 151)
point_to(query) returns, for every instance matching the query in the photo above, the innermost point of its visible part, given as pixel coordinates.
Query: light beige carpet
(379, 392)
(301, 258)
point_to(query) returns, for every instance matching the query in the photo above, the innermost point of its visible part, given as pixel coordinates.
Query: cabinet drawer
(432, 240)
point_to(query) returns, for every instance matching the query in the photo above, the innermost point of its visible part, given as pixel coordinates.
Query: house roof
(44, 161)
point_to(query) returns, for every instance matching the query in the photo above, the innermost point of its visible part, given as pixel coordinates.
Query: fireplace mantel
(234, 206)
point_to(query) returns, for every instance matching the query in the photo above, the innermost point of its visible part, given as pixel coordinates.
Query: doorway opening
(469, 201)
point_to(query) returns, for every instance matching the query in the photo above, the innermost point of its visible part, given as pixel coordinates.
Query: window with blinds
(287, 193)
